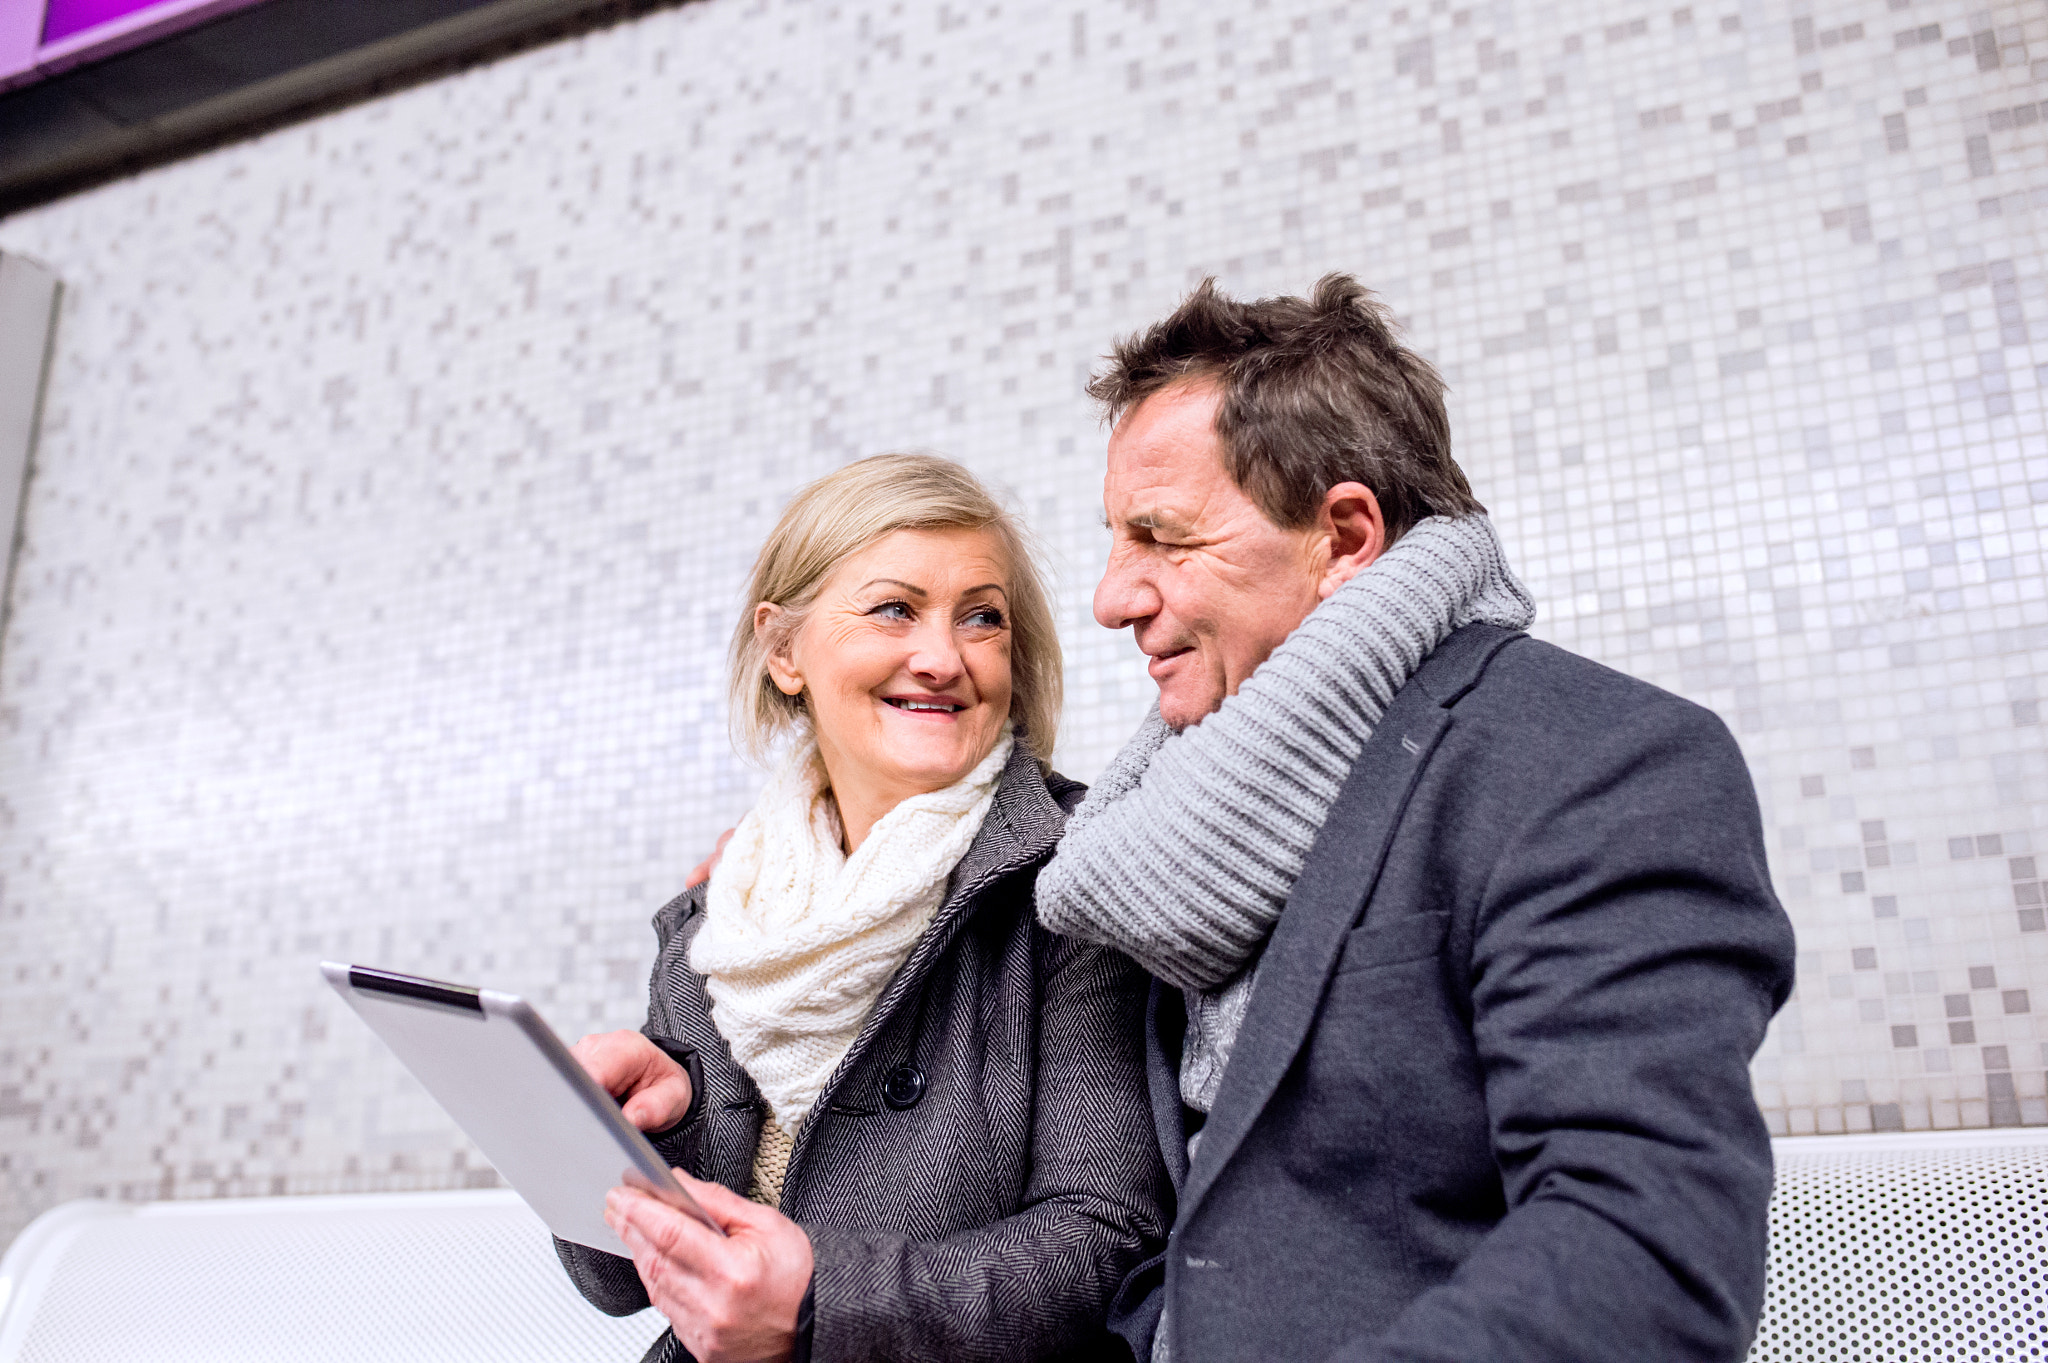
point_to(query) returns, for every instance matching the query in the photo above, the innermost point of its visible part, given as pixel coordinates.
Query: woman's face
(904, 662)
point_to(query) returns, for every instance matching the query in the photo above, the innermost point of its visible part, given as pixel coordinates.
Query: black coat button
(903, 1086)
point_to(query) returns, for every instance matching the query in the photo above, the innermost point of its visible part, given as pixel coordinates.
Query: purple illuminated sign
(41, 37)
(66, 17)
(21, 29)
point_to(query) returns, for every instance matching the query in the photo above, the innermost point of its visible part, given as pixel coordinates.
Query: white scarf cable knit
(800, 939)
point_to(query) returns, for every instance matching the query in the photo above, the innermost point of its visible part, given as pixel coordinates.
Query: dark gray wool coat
(1491, 1097)
(981, 1171)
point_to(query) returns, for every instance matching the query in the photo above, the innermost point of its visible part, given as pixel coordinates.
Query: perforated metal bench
(446, 1277)
(1926, 1245)
(1923, 1246)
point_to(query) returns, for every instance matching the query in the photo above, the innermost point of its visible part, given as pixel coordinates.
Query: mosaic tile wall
(400, 469)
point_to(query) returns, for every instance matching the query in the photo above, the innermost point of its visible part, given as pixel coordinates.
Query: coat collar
(1022, 826)
(1335, 881)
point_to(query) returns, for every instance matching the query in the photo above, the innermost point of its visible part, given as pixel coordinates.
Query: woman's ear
(772, 630)
(1355, 531)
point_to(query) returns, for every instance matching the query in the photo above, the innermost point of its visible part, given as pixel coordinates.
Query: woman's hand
(730, 1300)
(651, 1088)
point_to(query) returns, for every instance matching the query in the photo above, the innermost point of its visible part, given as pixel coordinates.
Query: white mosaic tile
(400, 469)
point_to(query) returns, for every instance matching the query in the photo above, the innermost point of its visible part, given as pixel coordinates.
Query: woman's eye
(988, 617)
(892, 610)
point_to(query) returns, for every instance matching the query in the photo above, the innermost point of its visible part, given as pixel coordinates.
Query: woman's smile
(926, 708)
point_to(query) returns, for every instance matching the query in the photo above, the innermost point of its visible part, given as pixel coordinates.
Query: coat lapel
(1022, 825)
(1342, 866)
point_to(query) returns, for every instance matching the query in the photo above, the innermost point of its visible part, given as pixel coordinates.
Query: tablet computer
(512, 1086)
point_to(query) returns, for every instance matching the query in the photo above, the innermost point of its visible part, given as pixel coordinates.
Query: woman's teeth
(926, 705)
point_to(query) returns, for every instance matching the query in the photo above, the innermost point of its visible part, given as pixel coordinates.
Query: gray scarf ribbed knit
(1186, 849)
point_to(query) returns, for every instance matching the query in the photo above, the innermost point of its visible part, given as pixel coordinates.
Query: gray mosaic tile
(400, 468)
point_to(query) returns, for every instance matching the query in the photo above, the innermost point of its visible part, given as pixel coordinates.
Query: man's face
(1208, 585)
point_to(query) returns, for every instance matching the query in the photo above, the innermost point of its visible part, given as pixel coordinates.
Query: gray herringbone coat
(993, 1216)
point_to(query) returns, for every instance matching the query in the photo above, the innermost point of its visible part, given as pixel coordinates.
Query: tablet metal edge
(653, 1176)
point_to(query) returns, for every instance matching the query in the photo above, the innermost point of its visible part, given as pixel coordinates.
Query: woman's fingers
(662, 1102)
(674, 1253)
(732, 1297)
(690, 1273)
(613, 1059)
(680, 1240)
(731, 1211)
(653, 1089)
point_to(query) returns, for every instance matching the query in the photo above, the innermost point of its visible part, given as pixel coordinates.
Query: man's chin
(1181, 705)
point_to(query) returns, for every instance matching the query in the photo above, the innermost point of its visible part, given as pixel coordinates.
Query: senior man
(1463, 943)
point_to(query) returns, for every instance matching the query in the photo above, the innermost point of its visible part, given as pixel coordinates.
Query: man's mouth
(944, 707)
(1162, 662)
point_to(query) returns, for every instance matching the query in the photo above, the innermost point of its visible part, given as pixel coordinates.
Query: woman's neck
(860, 805)
(863, 801)
(863, 797)
(854, 824)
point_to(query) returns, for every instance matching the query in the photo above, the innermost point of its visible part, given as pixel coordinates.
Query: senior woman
(935, 1109)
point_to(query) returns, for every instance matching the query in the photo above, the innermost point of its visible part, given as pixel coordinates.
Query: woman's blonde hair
(844, 512)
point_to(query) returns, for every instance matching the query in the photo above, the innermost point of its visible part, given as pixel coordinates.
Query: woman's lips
(931, 710)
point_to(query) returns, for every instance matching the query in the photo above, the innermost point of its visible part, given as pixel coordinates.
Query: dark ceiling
(254, 69)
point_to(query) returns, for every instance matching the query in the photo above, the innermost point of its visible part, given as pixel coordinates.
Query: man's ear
(772, 631)
(1355, 532)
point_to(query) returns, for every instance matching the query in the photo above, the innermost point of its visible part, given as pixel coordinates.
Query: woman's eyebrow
(921, 592)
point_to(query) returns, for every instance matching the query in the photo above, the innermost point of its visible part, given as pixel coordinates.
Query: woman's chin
(917, 756)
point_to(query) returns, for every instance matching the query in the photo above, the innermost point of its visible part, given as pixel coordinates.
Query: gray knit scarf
(1186, 849)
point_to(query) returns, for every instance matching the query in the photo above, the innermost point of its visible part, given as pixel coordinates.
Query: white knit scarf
(800, 939)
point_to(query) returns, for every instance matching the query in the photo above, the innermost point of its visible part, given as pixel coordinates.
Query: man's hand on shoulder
(701, 872)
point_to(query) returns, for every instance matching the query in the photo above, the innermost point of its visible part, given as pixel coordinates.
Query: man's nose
(1125, 595)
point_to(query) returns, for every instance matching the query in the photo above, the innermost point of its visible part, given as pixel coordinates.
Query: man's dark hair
(1315, 392)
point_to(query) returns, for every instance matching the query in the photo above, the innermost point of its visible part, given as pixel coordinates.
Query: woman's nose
(935, 654)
